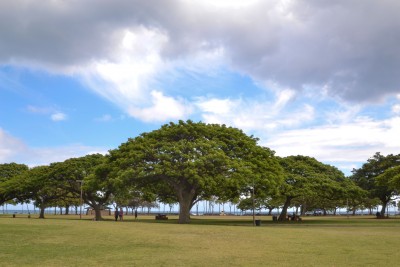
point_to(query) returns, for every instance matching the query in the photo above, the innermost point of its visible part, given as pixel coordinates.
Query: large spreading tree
(196, 160)
(38, 185)
(90, 173)
(307, 179)
(377, 177)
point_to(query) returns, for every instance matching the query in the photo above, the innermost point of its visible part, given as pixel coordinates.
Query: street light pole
(80, 205)
(254, 217)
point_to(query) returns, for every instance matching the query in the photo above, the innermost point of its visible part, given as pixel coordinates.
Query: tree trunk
(282, 216)
(383, 210)
(184, 211)
(41, 214)
(186, 202)
(66, 210)
(97, 213)
(303, 209)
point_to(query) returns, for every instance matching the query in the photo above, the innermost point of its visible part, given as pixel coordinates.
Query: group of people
(120, 214)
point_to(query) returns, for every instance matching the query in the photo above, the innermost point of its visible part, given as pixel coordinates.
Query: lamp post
(80, 203)
(254, 217)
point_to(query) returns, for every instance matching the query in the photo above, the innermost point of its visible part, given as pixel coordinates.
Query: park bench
(161, 217)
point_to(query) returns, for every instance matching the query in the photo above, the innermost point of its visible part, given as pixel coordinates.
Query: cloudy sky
(317, 78)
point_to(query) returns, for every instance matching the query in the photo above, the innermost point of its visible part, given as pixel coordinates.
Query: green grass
(207, 241)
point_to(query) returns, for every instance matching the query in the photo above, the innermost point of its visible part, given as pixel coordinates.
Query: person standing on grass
(116, 214)
(121, 214)
(135, 214)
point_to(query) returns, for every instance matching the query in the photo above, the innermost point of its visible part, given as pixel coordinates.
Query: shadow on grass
(268, 222)
(244, 221)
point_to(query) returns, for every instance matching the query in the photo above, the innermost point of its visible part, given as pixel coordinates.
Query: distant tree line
(188, 162)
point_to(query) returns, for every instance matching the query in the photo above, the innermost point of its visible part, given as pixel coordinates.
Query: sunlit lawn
(207, 241)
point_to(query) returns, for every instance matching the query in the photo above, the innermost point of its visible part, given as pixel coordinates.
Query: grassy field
(207, 241)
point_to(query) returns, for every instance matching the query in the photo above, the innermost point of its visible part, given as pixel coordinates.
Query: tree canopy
(188, 162)
(90, 173)
(7, 172)
(377, 176)
(307, 179)
(196, 160)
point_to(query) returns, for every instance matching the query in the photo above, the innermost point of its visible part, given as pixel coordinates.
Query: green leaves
(196, 160)
(390, 178)
(8, 188)
(311, 181)
(379, 176)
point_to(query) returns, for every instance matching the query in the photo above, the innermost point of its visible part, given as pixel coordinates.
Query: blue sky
(316, 78)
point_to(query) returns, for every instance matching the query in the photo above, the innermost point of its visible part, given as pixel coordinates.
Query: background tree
(195, 160)
(350, 196)
(91, 171)
(7, 172)
(340, 192)
(305, 179)
(390, 178)
(40, 186)
(375, 177)
(271, 203)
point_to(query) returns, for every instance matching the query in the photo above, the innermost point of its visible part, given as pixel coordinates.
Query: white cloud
(13, 149)
(355, 141)
(58, 116)
(55, 115)
(283, 98)
(39, 110)
(47, 155)
(119, 50)
(129, 77)
(163, 108)
(125, 78)
(123, 52)
(396, 109)
(342, 114)
(255, 114)
(9, 146)
(104, 118)
(216, 106)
